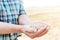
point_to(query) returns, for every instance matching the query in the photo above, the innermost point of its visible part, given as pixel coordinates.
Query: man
(10, 11)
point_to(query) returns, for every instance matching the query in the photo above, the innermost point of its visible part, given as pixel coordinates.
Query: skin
(40, 33)
(6, 28)
(32, 34)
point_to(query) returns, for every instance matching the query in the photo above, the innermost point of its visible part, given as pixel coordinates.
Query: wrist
(19, 28)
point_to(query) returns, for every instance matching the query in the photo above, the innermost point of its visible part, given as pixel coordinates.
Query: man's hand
(33, 33)
(27, 28)
(31, 29)
(40, 33)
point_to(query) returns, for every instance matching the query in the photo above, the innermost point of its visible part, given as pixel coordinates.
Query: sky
(41, 3)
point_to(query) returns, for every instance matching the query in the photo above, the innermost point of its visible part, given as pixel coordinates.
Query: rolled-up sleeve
(21, 8)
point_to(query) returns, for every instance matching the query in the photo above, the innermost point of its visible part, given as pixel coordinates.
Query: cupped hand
(39, 33)
(34, 31)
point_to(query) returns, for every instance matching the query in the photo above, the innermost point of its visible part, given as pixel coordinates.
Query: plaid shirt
(9, 11)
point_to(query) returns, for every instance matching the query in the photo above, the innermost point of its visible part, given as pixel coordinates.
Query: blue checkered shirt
(9, 11)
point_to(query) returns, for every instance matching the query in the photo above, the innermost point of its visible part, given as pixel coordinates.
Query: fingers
(37, 34)
(31, 35)
(42, 29)
(29, 31)
(42, 33)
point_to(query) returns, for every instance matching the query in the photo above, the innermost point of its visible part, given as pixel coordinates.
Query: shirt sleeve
(21, 8)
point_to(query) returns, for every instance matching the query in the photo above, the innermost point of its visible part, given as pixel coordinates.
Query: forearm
(24, 19)
(6, 28)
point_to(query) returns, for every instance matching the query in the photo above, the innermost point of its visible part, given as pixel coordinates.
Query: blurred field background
(49, 15)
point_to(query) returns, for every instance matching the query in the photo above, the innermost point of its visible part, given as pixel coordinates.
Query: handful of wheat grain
(37, 25)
